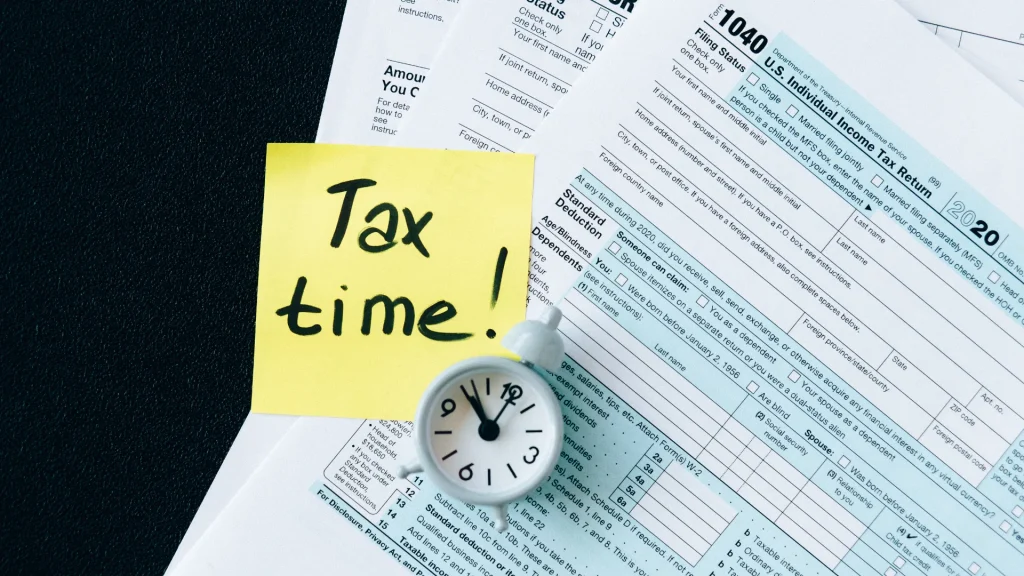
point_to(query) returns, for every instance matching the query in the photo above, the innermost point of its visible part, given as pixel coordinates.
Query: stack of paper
(785, 237)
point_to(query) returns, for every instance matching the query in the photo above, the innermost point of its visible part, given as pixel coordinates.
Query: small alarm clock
(488, 430)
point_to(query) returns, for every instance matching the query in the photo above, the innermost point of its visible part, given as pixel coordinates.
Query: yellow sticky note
(379, 268)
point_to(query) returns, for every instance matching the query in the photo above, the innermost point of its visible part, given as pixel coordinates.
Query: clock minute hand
(511, 400)
(478, 407)
(488, 429)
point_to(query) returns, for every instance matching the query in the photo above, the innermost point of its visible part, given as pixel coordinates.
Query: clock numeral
(466, 472)
(513, 391)
(533, 457)
(447, 407)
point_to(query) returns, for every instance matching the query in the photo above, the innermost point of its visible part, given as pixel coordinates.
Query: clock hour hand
(488, 429)
(478, 407)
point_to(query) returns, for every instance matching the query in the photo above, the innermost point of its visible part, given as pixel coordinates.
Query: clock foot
(500, 514)
(410, 468)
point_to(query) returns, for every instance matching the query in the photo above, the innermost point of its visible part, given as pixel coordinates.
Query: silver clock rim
(422, 438)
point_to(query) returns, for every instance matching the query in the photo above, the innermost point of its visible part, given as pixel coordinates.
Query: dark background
(134, 139)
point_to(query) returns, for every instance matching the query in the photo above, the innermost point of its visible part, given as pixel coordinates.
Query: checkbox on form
(899, 561)
(890, 571)
(595, 26)
(844, 461)
(993, 277)
(602, 14)
(974, 568)
(752, 387)
(794, 376)
(876, 181)
(792, 111)
(702, 301)
(1017, 511)
(1005, 526)
(752, 79)
(614, 248)
(621, 280)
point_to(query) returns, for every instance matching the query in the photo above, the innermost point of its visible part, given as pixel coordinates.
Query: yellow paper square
(480, 203)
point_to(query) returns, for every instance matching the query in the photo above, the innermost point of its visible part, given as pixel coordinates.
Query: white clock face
(490, 430)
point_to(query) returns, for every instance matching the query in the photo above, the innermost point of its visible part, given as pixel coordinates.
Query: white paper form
(366, 104)
(758, 480)
(989, 35)
(991, 56)
(763, 374)
(816, 232)
(505, 67)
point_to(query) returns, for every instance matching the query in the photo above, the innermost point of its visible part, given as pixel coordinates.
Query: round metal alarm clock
(488, 429)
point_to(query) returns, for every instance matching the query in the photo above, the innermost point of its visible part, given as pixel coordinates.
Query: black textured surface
(134, 140)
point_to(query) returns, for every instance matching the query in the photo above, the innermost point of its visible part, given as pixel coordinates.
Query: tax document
(506, 65)
(995, 56)
(380, 81)
(989, 35)
(796, 255)
(619, 378)
(747, 225)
